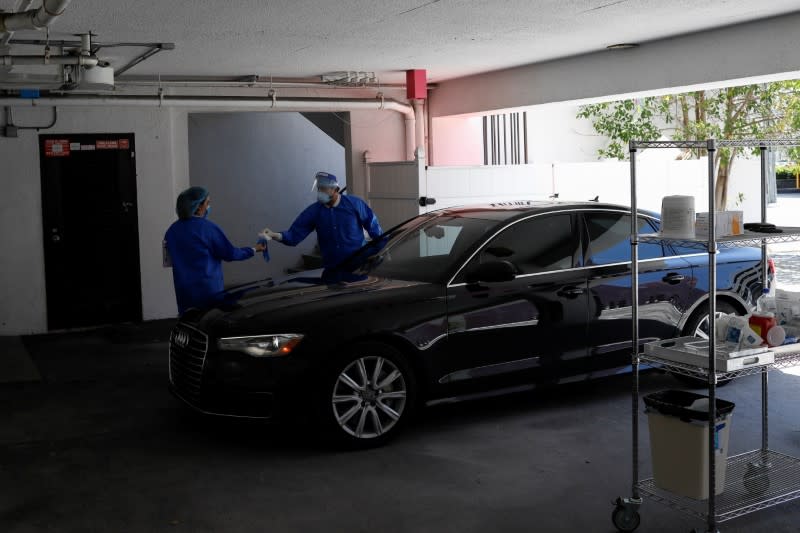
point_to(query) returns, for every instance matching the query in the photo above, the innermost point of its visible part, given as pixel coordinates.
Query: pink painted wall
(457, 141)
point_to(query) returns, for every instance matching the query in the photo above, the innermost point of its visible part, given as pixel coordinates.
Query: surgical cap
(324, 179)
(189, 200)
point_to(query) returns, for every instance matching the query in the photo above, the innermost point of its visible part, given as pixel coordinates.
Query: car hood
(306, 289)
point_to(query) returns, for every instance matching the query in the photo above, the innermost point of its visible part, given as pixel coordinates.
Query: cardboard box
(728, 223)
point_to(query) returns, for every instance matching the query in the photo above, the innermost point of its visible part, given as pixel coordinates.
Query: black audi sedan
(450, 304)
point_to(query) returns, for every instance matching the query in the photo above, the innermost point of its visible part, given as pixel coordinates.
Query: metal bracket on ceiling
(380, 95)
(160, 97)
(273, 95)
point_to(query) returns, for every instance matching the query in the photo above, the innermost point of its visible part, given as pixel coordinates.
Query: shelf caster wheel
(626, 516)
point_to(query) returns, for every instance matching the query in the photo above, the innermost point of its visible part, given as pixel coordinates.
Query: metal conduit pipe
(23, 5)
(85, 61)
(233, 103)
(419, 133)
(34, 19)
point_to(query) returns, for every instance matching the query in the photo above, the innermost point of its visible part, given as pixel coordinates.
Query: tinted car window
(673, 248)
(539, 244)
(610, 239)
(428, 252)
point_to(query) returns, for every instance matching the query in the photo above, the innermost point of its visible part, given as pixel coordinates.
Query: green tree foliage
(746, 112)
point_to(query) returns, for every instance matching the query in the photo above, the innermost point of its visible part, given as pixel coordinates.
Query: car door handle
(673, 278)
(571, 292)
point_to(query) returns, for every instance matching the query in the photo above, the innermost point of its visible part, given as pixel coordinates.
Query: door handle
(571, 292)
(55, 238)
(673, 278)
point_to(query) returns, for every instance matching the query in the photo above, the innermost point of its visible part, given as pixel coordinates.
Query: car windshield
(425, 248)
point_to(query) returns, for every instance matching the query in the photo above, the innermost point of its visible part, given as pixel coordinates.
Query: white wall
(658, 175)
(259, 168)
(162, 170)
(454, 186)
(763, 48)
(555, 134)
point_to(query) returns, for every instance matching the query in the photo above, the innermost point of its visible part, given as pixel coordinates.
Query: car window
(438, 239)
(610, 239)
(431, 251)
(539, 244)
(672, 248)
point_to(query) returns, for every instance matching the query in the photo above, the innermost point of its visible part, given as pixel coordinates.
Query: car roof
(512, 208)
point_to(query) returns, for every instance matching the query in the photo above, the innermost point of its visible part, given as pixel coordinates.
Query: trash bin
(678, 423)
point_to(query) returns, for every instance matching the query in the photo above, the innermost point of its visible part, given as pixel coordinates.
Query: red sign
(124, 144)
(107, 145)
(56, 148)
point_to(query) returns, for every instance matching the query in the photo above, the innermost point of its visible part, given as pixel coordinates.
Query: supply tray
(694, 352)
(783, 357)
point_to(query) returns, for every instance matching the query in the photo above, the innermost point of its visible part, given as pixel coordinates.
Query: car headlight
(261, 345)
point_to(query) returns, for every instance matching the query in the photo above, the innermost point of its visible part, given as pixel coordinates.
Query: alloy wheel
(369, 397)
(702, 327)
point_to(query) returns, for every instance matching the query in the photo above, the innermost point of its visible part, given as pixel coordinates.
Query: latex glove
(260, 247)
(269, 235)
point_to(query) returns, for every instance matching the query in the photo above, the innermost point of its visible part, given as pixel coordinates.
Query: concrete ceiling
(451, 38)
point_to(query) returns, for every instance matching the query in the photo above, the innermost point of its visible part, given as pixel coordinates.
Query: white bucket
(677, 217)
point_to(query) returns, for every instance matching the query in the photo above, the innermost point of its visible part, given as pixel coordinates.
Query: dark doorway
(91, 234)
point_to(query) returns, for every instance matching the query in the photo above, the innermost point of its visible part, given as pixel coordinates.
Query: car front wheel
(370, 395)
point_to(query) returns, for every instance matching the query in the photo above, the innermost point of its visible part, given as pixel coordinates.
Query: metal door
(91, 238)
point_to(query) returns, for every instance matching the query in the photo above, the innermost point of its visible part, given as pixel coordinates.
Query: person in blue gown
(195, 247)
(339, 220)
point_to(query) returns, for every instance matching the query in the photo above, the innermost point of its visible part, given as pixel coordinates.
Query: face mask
(323, 197)
(208, 210)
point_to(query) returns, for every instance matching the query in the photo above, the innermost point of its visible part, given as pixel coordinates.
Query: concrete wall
(554, 134)
(162, 143)
(381, 134)
(259, 168)
(765, 48)
(162, 170)
(457, 140)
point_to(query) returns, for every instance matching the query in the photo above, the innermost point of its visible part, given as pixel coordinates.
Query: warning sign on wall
(107, 145)
(56, 148)
(124, 144)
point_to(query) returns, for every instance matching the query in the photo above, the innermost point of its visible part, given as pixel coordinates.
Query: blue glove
(265, 253)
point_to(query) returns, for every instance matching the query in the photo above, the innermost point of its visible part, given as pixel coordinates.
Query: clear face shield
(325, 186)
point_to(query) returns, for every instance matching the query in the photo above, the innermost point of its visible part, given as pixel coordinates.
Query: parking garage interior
(111, 110)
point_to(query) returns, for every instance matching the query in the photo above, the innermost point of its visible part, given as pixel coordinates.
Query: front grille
(187, 354)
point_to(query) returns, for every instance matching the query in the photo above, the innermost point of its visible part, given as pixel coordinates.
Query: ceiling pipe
(419, 132)
(34, 19)
(23, 5)
(232, 103)
(84, 61)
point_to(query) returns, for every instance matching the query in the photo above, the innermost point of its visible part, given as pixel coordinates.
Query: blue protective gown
(197, 248)
(339, 229)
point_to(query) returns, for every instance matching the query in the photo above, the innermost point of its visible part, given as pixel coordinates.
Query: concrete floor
(99, 445)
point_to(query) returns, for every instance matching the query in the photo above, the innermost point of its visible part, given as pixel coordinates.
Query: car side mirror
(492, 272)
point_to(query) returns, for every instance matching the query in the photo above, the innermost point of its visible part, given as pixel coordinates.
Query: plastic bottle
(765, 302)
(763, 319)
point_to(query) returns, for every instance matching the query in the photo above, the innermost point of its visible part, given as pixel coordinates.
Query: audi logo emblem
(181, 339)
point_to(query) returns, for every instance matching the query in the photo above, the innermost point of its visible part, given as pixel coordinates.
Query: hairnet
(189, 200)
